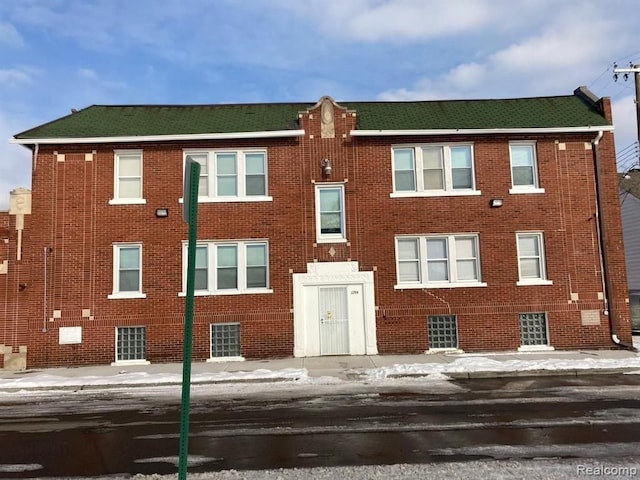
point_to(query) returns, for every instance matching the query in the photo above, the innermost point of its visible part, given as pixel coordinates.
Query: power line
(635, 69)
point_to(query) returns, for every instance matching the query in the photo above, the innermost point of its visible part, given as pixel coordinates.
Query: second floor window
(128, 177)
(524, 169)
(232, 175)
(433, 169)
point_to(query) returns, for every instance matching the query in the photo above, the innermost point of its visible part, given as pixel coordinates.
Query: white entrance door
(334, 310)
(333, 306)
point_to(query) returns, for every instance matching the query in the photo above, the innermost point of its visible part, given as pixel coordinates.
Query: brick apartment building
(324, 229)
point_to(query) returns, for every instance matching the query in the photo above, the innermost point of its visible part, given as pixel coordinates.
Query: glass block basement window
(443, 331)
(131, 343)
(533, 329)
(225, 340)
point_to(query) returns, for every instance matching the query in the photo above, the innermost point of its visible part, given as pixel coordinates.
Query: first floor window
(533, 329)
(443, 332)
(131, 343)
(229, 267)
(433, 169)
(128, 177)
(202, 268)
(330, 213)
(438, 259)
(127, 271)
(531, 263)
(225, 340)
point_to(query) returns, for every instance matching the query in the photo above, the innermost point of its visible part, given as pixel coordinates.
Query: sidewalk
(332, 369)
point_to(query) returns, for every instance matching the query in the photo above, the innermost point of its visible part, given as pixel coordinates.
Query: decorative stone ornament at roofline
(327, 107)
(327, 119)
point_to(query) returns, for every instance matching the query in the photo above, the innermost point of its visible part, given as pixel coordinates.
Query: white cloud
(14, 76)
(551, 58)
(99, 81)
(15, 161)
(10, 36)
(626, 133)
(417, 19)
(410, 21)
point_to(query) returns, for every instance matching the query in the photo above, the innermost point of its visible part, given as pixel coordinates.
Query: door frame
(362, 334)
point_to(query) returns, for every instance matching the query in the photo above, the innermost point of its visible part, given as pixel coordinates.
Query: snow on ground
(537, 469)
(145, 378)
(483, 364)
(431, 371)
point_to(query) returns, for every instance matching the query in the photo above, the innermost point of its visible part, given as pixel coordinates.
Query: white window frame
(523, 189)
(452, 282)
(241, 175)
(447, 189)
(542, 280)
(117, 200)
(212, 264)
(116, 293)
(340, 237)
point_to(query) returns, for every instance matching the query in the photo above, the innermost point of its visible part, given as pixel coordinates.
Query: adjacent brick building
(324, 229)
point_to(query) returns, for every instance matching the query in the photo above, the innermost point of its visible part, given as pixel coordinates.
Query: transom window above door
(231, 175)
(432, 170)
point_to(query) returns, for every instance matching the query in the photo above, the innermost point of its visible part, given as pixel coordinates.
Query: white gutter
(160, 138)
(479, 131)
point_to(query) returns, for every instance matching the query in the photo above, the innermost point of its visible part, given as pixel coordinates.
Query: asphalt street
(113, 432)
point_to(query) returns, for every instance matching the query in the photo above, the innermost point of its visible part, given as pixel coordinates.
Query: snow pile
(144, 378)
(483, 364)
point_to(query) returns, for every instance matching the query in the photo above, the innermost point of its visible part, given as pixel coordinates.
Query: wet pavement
(99, 433)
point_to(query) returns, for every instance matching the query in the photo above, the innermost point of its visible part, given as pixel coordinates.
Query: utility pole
(635, 69)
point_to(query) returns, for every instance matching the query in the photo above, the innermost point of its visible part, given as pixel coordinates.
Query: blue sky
(61, 54)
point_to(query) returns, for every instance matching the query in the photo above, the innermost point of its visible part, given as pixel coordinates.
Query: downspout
(44, 297)
(36, 149)
(604, 270)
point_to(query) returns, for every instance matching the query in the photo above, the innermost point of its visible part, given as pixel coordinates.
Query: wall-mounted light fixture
(496, 202)
(326, 167)
(162, 212)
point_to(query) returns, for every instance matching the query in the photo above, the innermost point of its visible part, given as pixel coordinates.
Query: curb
(571, 372)
(112, 386)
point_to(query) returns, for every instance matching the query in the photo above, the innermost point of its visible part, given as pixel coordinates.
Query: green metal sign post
(190, 215)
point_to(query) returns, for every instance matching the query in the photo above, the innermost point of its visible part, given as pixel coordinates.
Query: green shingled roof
(151, 120)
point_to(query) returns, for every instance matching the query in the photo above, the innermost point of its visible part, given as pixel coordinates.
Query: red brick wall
(13, 288)
(71, 215)
(488, 317)
(4, 256)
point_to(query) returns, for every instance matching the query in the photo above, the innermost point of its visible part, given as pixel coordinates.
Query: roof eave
(480, 131)
(158, 138)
